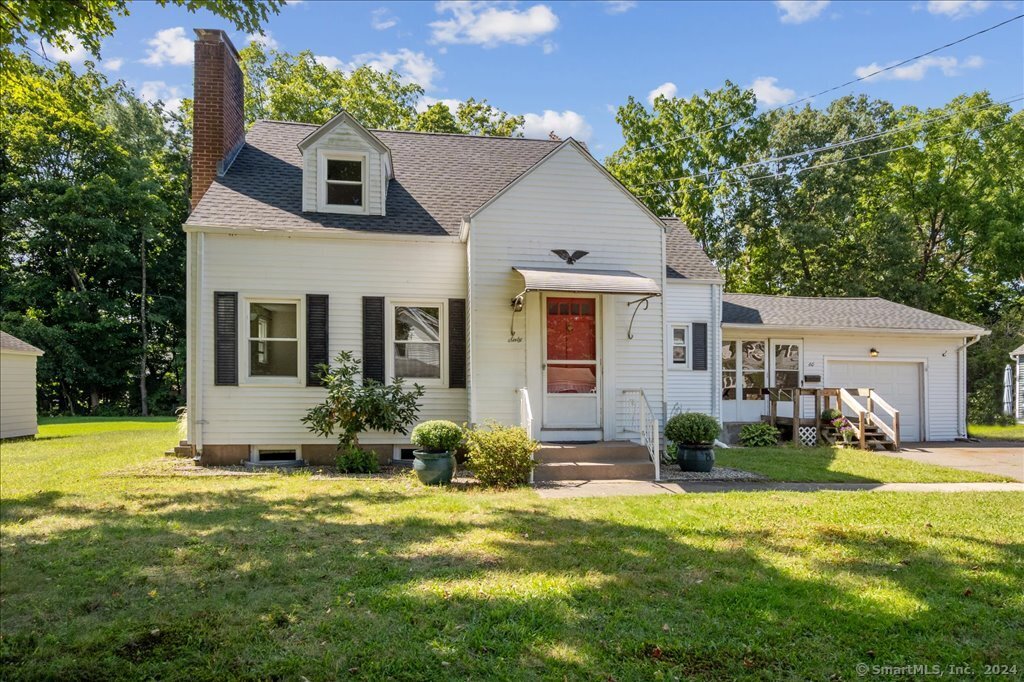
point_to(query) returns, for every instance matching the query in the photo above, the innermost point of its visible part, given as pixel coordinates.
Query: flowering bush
(844, 427)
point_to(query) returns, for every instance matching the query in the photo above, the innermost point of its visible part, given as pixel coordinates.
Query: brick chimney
(218, 126)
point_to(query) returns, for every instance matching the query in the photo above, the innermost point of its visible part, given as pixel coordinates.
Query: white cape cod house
(515, 279)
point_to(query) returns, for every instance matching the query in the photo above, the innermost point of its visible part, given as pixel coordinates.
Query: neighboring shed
(17, 387)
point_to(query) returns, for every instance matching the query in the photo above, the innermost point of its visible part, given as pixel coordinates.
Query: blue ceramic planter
(433, 468)
(695, 457)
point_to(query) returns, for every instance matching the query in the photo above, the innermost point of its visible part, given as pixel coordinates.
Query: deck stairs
(599, 461)
(182, 449)
(874, 439)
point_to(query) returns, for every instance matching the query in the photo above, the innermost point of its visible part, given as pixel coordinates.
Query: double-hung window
(417, 351)
(342, 182)
(679, 346)
(273, 339)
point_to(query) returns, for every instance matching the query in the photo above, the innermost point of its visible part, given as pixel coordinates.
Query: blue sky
(567, 65)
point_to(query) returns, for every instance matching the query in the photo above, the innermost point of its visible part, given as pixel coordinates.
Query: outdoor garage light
(873, 352)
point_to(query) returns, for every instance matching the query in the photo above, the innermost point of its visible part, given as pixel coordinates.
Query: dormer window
(342, 182)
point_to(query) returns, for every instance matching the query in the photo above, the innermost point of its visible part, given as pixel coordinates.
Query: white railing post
(657, 452)
(526, 419)
(644, 422)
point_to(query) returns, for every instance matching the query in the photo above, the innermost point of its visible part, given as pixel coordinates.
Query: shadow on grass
(245, 584)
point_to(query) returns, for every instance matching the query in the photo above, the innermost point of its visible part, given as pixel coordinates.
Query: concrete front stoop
(601, 461)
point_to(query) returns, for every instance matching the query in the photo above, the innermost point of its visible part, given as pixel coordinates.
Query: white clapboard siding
(17, 395)
(564, 203)
(422, 271)
(687, 390)
(939, 353)
(344, 139)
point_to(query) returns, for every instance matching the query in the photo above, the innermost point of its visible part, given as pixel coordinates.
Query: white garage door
(898, 383)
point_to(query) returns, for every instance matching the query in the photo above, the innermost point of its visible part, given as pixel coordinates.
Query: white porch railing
(526, 417)
(643, 421)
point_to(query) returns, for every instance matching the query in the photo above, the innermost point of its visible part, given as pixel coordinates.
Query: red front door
(571, 362)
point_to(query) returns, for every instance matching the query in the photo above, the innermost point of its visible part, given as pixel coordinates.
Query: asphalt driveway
(990, 457)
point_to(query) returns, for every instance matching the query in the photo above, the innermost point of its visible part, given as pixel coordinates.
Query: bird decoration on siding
(569, 259)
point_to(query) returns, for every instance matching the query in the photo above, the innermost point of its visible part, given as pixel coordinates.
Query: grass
(113, 566)
(1014, 432)
(841, 465)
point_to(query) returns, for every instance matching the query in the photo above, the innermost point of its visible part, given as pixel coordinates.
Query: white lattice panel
(809, 436)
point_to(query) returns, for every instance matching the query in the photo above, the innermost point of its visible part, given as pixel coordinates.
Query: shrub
(437, 435)
(356, 461)
(353, 406)
(830, 415)
(759, 435)
(501, 456)
(692, 428)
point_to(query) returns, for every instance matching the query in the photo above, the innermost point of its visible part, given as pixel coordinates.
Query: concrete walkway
(988, 457)
(574, 489)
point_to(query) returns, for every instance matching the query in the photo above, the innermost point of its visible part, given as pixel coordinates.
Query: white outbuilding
(17, 387)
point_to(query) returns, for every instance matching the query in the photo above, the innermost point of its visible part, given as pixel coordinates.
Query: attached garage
(17, 387)
(901, 383)
(914, 360)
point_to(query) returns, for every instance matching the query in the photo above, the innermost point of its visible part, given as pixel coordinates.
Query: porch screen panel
(753, 369)
(787, 366)
(728, 370)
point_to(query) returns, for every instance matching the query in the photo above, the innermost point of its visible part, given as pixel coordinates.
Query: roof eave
(892, 331)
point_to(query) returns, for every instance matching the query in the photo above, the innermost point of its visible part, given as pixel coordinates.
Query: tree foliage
(928, 211)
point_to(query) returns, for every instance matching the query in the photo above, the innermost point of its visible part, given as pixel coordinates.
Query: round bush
(759, 435)
(352, 460)
(501, 456)
(692, 428)
(438, 435)
(830, 415)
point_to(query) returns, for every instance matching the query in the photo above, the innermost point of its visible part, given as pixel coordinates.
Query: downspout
(200, 358)
(961, 387)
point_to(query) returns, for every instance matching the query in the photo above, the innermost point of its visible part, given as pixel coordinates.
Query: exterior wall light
(873, 352)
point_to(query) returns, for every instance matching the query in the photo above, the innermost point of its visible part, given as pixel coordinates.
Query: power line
(838, 145)
(831, 89)
(840, 161)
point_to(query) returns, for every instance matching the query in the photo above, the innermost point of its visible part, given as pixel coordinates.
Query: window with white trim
(273, 339)
(417, 341)
(679, 345)
(342, 182)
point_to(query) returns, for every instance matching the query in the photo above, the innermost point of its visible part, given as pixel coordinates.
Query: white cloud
(618, 6)
(413, 67)
(492, 23)
(170, 95)
(915, 71)
(427, 101)
(382, 19)
(799, 11)
(667, 90)
(75, 54)
(169, 46)
(112, 65)
(328, 61)
(768, 93)
(957, 9)
(564, 124)
(266, 40)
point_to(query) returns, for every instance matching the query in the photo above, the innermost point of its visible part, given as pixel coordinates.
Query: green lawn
(840, 465)
(989, 432)
(114, 566)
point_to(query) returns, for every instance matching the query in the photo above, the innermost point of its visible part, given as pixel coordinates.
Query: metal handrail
(647, 425)
(526, 418)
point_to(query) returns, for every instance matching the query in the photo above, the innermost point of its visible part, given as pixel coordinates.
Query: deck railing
(861, 416)
(643, 421)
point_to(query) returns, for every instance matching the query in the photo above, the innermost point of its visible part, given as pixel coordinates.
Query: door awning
(588, 281)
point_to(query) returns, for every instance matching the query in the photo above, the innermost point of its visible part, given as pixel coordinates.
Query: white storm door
(572, 367)
(786, 361)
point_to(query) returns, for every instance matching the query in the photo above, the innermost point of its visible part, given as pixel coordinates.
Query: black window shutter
(456, 343)
(225, 338)
(316, 337)
(700, 345)
(373, 338)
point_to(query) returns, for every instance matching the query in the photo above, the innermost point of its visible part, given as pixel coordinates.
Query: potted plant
(694, 435)
(845, 429)
(437, 441)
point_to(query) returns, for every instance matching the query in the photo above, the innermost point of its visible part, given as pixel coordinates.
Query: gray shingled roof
(684, 258)
(835, 313)
(439, 179)
(8, 342)
(1017, 351)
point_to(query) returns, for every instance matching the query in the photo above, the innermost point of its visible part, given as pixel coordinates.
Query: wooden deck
(870, 429)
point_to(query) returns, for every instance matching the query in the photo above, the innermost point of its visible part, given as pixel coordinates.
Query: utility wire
(838, 145)
(828, 90)
(840, 161)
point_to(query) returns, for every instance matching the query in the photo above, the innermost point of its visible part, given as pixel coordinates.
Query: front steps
(182, 449)
(600, 461)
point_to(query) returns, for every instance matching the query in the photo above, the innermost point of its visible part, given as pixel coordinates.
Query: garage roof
(836, 313)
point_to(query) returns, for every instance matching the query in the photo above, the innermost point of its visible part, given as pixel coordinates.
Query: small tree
(353, 406)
